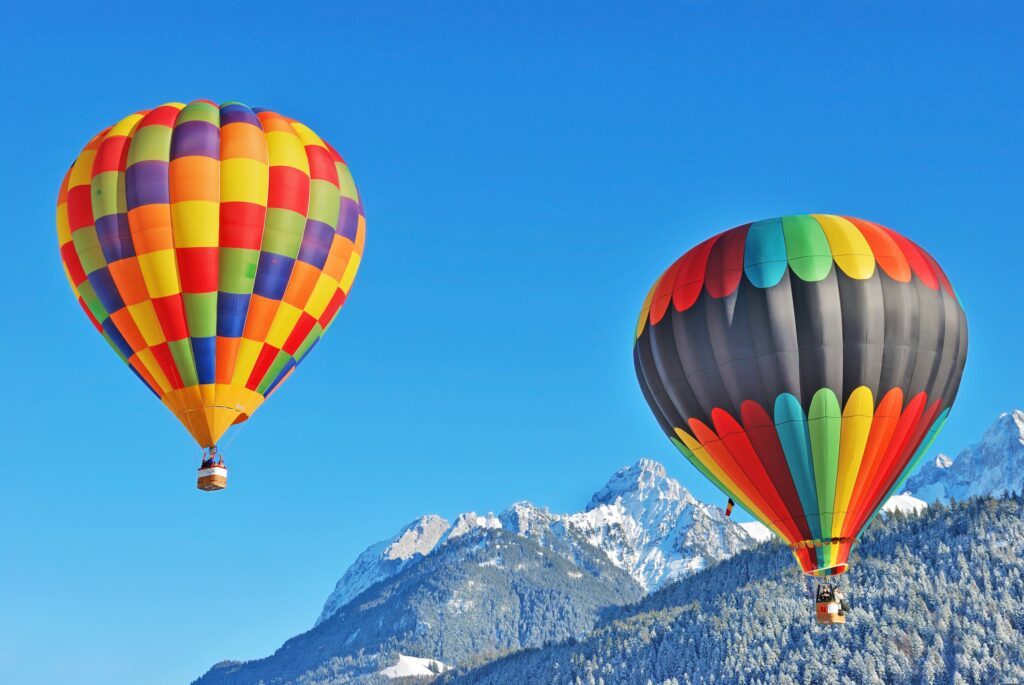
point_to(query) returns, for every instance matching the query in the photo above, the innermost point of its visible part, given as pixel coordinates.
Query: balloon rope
(192, 429)
(814, 599)
(235, 435)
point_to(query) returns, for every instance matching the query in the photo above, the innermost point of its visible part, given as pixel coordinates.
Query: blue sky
(528, 170)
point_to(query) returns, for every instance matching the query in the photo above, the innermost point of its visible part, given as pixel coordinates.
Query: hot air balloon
(804, 365)
(211, 247)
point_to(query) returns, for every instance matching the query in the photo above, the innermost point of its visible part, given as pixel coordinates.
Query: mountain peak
(656, 468)
(638, 483)
(527, 519)
(651, 525)
(987, 467)
(471, 521)
(1008, 428)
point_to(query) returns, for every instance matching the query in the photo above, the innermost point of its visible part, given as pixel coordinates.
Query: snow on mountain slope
(644, 521)
(757, 530)
(906, 503)
(385, 559)
(411, 666)
(989, 467)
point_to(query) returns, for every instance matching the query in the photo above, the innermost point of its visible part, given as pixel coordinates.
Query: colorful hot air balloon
(804, 365)
(211, 246)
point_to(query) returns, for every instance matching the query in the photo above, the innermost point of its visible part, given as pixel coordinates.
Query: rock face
(989, 467)
(645, 522)
(385, 559)
(650, 525)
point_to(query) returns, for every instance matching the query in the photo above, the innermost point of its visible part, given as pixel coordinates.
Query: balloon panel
(211, 246)
(803, 365)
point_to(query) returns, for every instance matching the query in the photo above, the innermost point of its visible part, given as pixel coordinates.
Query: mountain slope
(385, 559)
(990, 466)
(936, 598)
(484, 585)
(480, 594)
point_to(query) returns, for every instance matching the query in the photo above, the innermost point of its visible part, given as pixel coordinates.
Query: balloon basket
(212, 478)
(828, 613)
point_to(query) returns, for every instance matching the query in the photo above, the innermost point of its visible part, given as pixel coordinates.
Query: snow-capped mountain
(484, 592)
(989, 467)
(645, 522)
(459, 593)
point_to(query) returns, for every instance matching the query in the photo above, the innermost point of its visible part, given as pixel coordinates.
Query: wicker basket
(829, 612)
(212, 478)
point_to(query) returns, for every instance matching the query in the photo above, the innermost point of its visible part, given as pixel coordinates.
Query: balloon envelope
(211, 246)
(804, 365)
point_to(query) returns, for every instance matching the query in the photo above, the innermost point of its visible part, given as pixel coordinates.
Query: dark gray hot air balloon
(804, 365)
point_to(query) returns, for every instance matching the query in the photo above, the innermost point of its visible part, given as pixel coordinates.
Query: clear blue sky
(527, 172)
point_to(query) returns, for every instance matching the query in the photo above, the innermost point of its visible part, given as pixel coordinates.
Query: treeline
(937, 598)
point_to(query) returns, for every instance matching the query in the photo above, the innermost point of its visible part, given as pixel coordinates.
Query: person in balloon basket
(844, 605)
(213, 459)
(830, 592)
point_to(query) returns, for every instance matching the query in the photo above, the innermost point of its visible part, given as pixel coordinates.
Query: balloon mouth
(828, 570)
